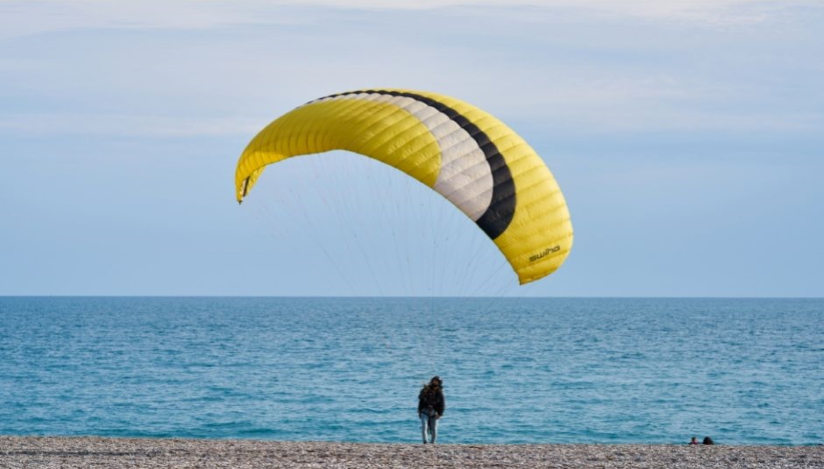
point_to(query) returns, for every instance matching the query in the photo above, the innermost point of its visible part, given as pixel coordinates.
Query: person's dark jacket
(431, 399)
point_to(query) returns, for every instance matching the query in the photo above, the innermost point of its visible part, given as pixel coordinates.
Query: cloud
(714, 11)
(568, 115)
(128, 125)
(18, 18)
(24, 17)
(581, 74)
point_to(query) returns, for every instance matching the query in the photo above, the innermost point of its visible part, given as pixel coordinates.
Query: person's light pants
(429, 426)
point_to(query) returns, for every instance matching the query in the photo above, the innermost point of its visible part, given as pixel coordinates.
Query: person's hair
(708, 441)
(430, 386)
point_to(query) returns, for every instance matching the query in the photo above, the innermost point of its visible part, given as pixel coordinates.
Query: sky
(686, 137)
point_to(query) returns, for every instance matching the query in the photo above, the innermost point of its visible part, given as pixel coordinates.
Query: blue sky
(687, 139)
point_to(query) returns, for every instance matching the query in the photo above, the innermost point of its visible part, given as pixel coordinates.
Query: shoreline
(33, 452)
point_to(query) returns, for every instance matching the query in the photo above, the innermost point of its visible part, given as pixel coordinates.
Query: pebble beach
(97, 452)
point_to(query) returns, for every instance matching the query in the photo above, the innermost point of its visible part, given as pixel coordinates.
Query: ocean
(549, 370)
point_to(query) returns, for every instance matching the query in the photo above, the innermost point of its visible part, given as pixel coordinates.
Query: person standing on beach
(431, 404)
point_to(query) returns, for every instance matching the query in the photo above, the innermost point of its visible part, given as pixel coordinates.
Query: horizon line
(503, 297)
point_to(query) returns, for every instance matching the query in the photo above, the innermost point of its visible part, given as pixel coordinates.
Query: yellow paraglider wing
(466, 155)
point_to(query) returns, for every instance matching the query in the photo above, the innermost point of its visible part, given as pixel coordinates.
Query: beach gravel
(96, 452)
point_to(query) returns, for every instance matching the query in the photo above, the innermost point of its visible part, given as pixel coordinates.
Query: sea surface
(743, 371)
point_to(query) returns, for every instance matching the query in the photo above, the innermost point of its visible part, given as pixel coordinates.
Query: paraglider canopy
(465, 154)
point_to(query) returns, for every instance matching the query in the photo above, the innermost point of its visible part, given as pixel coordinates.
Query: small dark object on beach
(708, 441)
